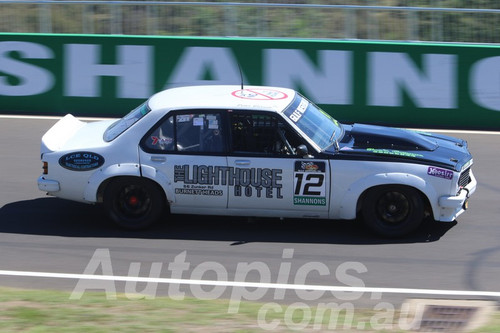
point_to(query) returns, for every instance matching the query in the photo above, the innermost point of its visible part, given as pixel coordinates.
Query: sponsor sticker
(183, 118)
(394, 152)
(198, 121)
(309, 183)
(210, 180)
(260, 94)
(81, 161)
(161, 140)
(199, 191)
(441, 173)
(301, 109)
(309, 201)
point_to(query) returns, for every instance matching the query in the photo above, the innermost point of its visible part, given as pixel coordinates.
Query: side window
(199, 132)
(263, 134)
(187, 132)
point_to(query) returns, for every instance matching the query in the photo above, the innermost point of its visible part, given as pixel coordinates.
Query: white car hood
(70, 133)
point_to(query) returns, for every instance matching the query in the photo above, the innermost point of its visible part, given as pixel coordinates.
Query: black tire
(133, 203)
(393, 211)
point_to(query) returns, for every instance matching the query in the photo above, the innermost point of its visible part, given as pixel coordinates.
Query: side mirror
(303, 151)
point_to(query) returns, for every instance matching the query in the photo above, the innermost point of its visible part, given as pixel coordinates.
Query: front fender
(349, 201)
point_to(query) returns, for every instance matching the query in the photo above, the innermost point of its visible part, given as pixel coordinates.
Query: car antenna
(241, 76)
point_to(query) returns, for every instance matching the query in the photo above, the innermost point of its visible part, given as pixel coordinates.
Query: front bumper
(48, 185)
(452, 206)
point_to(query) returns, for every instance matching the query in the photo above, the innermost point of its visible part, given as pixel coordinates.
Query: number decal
(313, 181)
(320, 177)
(309, 183)
(298, 183)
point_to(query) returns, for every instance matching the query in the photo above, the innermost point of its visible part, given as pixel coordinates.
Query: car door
(268, 178)
(189, 148)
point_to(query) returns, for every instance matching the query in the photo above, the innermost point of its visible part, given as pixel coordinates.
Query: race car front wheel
(393, 211)
(133, 203)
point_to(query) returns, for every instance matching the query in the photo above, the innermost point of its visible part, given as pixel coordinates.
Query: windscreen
(121, 125)
(318, 125)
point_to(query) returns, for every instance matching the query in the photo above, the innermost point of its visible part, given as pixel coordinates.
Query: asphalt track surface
(45, 234)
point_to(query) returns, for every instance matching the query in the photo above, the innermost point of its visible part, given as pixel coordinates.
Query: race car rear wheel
(133, 203)
(393, 211)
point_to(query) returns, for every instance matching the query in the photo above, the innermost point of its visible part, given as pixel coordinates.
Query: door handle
(242, 162)
(158, 159)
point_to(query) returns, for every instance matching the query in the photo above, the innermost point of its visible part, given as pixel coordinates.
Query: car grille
(464, 178)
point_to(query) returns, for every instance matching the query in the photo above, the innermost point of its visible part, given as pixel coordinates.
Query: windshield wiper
(333, 141)
(333, 135)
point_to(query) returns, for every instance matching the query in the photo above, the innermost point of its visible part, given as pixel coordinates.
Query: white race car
(254, 151)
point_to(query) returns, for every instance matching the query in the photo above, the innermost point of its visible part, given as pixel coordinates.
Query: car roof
(223, 96)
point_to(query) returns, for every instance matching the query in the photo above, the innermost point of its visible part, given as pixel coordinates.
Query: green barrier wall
(400, 84)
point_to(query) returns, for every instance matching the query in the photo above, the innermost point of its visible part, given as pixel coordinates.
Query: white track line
(98, 118)
(251, 284)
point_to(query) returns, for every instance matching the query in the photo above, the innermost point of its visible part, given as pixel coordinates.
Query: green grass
(493, 326)
(53, 311)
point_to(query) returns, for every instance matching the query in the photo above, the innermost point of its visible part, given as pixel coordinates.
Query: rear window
(121, 125)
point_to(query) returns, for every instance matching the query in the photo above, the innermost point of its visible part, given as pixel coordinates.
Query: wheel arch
(107, 181)
(96, 185)
(393, 210)
(425, 199)
(103, 175)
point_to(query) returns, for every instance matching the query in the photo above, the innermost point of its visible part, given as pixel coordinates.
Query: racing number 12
(312, 181)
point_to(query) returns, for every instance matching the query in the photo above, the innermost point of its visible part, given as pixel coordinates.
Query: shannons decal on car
(81, 161)
(250, 182)
(394, 152)
(309, 183)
